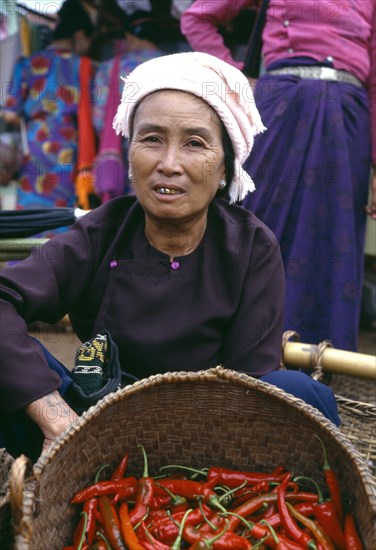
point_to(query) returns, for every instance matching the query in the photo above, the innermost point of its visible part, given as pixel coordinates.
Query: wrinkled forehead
(170, 102)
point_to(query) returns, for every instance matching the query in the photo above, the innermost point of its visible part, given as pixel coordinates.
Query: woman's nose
(170, 160)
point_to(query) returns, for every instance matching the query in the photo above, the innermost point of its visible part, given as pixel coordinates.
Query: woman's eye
(195, 143)
(151, 139)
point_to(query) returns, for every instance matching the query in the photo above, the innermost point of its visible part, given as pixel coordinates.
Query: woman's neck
(167, 240)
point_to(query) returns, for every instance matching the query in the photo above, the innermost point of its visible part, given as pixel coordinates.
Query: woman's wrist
(52, 414)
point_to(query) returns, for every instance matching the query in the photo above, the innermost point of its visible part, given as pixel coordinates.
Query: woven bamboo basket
(355, 396)
(213, 417)
(6, 462)
(357, 408)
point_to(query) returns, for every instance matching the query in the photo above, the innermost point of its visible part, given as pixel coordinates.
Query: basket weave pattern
(214, 417)
(6, 462)
(356, 400)
(358, 416)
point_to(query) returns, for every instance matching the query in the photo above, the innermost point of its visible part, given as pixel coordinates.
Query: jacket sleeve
(43, 287)
(254, 340)
(200, 22)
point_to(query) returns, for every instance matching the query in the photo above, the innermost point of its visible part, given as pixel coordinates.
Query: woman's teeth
(166, 191)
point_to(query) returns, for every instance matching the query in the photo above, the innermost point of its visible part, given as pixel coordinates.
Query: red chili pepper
(288, 543)
(120, 469)
(352, 537)
(79, 535)
(126, 485)
(289, 523)
(166, 530)
(328, 519)
(149, 541)
(175, 501)
(270, 511)
(147, 545)
(158, 503)
(320, 535)
(305, 508)
(127, 531)
(279, 542)
(332, 483)
(111, 523)
(145, 494)
(231, 541)
(186, 488)
(245, 493)
(99, 545)
(255, 530)
(234, 478)
(254, 504)
(227, 541)
(326, 515)
(90, 507)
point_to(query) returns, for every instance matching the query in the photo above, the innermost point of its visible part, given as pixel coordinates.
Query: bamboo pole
(18, 249)
(307, 356)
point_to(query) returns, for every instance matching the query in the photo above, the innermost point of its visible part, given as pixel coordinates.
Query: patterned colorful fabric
(311, 170)
(45, 92)
(128, 62)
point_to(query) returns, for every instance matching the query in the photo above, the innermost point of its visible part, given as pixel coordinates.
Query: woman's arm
(44, 287)
(200, 22)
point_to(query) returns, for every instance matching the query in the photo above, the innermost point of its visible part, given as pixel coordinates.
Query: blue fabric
(311, 391)
(57, 366)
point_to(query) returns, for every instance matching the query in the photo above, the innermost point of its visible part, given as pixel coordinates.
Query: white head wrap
(221, 85)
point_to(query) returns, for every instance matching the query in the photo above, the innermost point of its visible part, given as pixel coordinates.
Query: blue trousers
(20, 435)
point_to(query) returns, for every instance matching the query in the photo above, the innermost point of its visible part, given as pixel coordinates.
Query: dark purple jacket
(224, 303)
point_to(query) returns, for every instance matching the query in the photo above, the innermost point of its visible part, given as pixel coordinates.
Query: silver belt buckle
(327, 73)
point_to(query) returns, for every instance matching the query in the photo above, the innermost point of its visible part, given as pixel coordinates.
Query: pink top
(341, 31)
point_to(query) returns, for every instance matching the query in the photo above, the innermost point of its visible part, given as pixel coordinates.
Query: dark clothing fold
(224, 304)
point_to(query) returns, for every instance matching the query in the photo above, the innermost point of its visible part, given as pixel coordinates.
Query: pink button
(175, 265)
(113, 264)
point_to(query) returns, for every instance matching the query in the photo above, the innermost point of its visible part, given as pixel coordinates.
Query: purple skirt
(311, 169)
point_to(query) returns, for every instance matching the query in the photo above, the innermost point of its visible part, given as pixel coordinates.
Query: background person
(45, 92)
(312, 183)
(141, 35)
(180, 278)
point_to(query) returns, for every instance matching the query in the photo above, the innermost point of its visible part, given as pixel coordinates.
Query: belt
(319, 73)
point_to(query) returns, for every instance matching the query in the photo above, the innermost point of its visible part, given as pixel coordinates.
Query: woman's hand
(371, 207)
(52, 414)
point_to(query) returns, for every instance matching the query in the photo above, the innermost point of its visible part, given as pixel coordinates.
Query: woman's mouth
(167, 191)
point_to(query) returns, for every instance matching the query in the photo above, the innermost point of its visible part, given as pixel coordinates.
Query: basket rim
(215, 373)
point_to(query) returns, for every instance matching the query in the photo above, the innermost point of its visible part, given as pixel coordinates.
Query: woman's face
(176, 155)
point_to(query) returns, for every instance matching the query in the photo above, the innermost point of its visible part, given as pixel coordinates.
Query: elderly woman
(181, 278)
